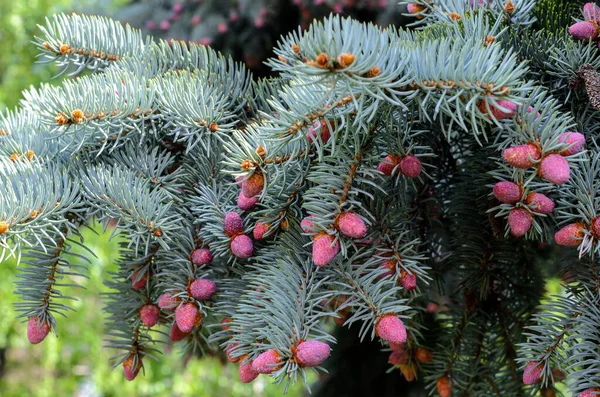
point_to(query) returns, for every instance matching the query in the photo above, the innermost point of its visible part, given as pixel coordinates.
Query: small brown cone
(444, 386)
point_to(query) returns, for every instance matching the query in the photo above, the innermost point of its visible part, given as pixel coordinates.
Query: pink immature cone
(176, 334)
(351, 225)
(521, 156)
(138, 282)
(253, 186)
(591, 12)
(201, 257)
(593, 392)
(306, 225)
(322, 130)
(167, 302)
(164, 25)
(233, 224)
(389, 163)
(507, 192)
(504, 109)
(149, 315)
(519, 221)
(312, 353)
(129, 370)
(246, 203)
(555, 169)
(596, 227)
(247, 372)
(584, 30)
(196, 20)
(570, 235)
(539, 203)
(222, 27)
(414, 8)
(408, 280)
(187, 317)
(323, 251)
(229, 352)
(391, 329)
(202, 289)
(260, 230)
(241, 246)
(390, 265)
(267, 362)
(576, 139)
(532, 373)
(410, 166)
(37, 330)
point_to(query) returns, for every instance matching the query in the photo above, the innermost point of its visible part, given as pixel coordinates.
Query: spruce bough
(414, 184)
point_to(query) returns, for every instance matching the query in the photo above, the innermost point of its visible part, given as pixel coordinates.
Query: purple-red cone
(504, 109)
(149, 315)
(267, 362)
(311, 353)
(233, 224)
(187, 316)
(521, 156)
(202, 289)
(129, 370)
(260, 229)
(584, 30)
(575, 139)
(386, 167)
(532, 373)
(410, 166)
(138, 282)
(596, 227)
(167, 302)
(241, 246)
(555, 169)
(37, 330)
(351, 225)
(408, 280)
(247, 373)
(570, 235)
(176, 334)
(391, 329)
(323, 250)
(246, 203)
(311, 135)
(201, 257)
(507, 192)
(306, 225)
(229, 352)
(253, 186)
(398, 357)
(591, 12)
(539, 203)
(519, 221)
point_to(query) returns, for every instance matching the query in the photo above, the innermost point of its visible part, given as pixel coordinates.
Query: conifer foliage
(387, 176)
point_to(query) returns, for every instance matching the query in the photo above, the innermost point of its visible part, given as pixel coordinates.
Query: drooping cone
(444, 386)
(408, 280)
(267, 362)
(324, 250)
(391, 329)
(149, 315)
(306, 225)
(129, 369)
(532, 373)
(241, 246)
(311, 353)
(519, 221)
(37, 330)
(410, 166)
(246, 203)
(351, 225)
(201, 257)
(176, 334)
(414, 8)
(576, 139)
(570, 235)
(521, 156)
(423, 355)
(316, 130)
(247, 373)
(187, 317)
(539, 202)
(555, 169)
(228, 352)
(260, 229)
(233, 224)
(507, 192)
(386, 167)
(202, 289)
(138, 282)
(167, 302)
(584, 30)
(591, 12)
(253, 186)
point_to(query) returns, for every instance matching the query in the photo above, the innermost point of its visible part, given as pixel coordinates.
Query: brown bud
(261, 151)
(157, 232)
(213, 127)
(284, 224)
(61, 119)
(30, 155)
(3, 132)
(509, 7)
(444, 386)
(3, 227)
(296, 49)
(14, 157)
(246, 164)
(454, 16)
(374, 72)
(65, 49)
(345, 59)
(489, 40)
(282, 59)
(323, 60)
(77, 116)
